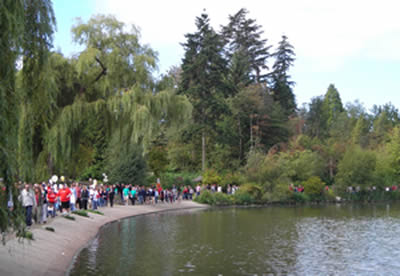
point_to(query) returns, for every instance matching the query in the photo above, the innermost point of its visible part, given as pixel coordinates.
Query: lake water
(310, 240)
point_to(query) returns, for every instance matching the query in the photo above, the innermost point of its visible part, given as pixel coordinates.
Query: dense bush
(205, 197)
(211, 177)
(255, 191)
(300, 197)
(314, 187)
(221, 199)
(243, 198)
(356, 169)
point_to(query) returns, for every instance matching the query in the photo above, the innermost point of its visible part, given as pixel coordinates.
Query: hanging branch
(103, 72)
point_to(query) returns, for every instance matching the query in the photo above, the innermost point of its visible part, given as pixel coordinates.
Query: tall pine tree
(246, 50)
(281, 84)
(203, 71)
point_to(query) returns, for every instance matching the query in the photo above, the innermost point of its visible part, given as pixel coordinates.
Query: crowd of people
(45, 200)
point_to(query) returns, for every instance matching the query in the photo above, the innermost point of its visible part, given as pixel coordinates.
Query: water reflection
(329, 240)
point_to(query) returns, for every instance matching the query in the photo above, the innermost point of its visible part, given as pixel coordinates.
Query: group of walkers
(47, 200)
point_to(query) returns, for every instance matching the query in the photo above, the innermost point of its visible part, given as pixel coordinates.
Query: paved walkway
(51, 253)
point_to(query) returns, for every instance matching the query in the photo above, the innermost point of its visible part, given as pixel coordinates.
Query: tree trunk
(203, 151)
(331, 168)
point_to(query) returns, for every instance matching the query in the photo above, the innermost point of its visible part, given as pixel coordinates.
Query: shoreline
(54, 253)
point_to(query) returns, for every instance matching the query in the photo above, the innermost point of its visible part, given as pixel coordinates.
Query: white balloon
(54, 178)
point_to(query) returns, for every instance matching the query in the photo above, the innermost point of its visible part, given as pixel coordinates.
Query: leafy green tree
(384, 119)
(125, 163)
(281, 85)
(112, 82)
(203, 70)
(314, 187)
(301, 165)
(258, 121)
(11, 26)
(357, 168)
(360, 132)
(388, 160)
(158, 160)
(37, 93)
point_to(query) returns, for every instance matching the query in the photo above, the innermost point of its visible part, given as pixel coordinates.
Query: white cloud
(325, 32)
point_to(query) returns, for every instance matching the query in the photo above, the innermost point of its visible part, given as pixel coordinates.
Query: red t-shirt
(51, 197)
(64, 194)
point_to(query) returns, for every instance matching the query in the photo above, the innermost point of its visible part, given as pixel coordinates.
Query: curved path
(51, 253)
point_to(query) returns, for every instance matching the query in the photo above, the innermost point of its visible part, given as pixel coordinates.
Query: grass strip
(51, 229)
(81, 213)
(96, 212)
(69, 217)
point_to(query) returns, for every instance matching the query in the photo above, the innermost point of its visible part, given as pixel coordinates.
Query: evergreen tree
(246, 50)
(332, 106)
(315, 124)
(281, 85)
(359, 135)
(203, 70)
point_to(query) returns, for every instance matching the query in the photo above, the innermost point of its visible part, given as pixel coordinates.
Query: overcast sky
(352, 44)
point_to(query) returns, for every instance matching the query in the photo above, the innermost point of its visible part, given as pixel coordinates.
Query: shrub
(25, 234)
(281, 193)
(357, 168)
(300, 197)
(329, 195)
(254, 190)
(211, 177)
(222, 199)
(242, 197)
(205, 197)
(266, 197)
(313, 187)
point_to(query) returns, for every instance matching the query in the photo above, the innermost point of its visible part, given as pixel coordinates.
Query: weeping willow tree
(16, 19)
(111, 78)
(37, 91)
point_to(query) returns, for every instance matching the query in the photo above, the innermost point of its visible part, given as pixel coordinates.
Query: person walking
(111, 195)
(64, 194)
(28, 202)
(84, 198)
(52, 199)
(44, 213)
(72, 199)
(126, 195)
(37, 209)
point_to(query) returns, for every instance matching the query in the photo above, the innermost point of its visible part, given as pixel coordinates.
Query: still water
(328, 240)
